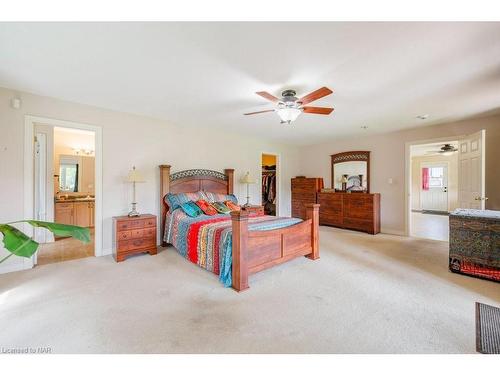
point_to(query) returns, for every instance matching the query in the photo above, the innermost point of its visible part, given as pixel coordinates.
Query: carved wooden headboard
(190, 181)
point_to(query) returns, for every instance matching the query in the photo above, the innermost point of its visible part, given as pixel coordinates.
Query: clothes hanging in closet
(269, 187)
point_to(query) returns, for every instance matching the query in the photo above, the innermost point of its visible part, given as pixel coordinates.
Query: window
(436, 177)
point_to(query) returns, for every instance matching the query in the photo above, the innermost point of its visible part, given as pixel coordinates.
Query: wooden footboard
(254, 251)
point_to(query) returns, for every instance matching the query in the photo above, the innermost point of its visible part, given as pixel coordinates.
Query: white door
(434, 191)
(471, 170)
(44, 197)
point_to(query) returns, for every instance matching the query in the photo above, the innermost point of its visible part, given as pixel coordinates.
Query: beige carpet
(367, 294)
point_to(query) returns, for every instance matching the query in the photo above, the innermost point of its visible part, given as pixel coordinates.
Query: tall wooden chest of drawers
(134, 235)
(357, 211)
(303, 192)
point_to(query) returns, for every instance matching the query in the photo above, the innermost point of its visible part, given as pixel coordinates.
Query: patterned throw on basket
(207, 241)
(475, 243)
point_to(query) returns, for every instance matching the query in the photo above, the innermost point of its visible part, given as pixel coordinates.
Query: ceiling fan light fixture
(288, 114)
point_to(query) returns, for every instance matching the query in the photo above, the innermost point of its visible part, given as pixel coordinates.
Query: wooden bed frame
(252, 251)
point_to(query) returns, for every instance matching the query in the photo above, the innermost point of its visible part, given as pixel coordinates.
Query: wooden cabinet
(64, 213)
(304, 191)
(75, 213)
(82, 215)
(357, 211)
(133, 235)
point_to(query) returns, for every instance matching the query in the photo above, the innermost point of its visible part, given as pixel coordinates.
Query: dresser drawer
(304, 197)
(305, 184)
(359, 224)
(136, 244)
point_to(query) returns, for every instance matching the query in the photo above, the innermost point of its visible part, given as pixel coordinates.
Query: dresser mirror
(351, 171)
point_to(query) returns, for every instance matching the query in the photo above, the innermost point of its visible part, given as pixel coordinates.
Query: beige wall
(388, 161)
(132, 140)
(416, 178)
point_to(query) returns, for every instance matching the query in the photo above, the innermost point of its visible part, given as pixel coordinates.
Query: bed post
(240, 237)
(312, 212)
(164, 189)
(230, 180)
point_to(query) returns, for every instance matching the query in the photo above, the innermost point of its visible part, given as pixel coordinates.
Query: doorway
(441, 176)
(434, 183)
(65, 164)
(269, 178)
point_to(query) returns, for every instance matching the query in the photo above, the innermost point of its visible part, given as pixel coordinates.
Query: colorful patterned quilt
(207, 241)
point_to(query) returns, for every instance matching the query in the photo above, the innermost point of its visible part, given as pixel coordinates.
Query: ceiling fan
(289, 107)
(446, 149)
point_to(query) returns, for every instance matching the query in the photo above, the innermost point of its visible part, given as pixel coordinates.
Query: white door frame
(278, 178)
(408, 174)
(29, 181)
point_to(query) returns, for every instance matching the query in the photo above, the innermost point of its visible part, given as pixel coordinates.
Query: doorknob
(445, 189)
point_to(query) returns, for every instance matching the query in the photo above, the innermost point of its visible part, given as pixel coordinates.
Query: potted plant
(18, 243)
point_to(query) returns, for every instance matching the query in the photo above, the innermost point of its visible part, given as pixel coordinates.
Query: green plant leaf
(64, 230)
(17, 242)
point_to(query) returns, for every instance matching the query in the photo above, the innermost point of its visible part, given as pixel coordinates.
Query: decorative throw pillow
(174, 201)
(206, 207)
(221, 207)
(232, 206)
(218, 197)
(191, 209)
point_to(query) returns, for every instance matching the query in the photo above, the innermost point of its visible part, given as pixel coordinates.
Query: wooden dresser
(134, 235)
(303, 192)
(359, 211)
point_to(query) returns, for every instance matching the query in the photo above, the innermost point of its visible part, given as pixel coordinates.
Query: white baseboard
(18, 266)
(106, 252)
(393, 232)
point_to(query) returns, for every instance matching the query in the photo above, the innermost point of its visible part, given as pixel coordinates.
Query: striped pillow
(218, 197)
(174, 201)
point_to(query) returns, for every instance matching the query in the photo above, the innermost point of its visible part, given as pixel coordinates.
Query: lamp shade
(247, 179)
(134, 176)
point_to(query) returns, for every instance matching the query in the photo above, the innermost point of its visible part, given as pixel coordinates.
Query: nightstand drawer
(125, 235)
(130, 224)
(136, 244)
(150, 222)
(137, 233)
(149, 232)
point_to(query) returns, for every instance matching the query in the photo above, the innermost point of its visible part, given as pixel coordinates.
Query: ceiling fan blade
(268, 96)
(317, 110)
(315, 95)
(254, 113)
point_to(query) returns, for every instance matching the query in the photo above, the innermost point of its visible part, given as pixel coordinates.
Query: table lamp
(247, 179)
(133, 177)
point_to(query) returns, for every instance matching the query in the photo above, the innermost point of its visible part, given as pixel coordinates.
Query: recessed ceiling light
(423, 117)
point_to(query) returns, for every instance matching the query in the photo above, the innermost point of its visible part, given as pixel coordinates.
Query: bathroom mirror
(75, 174)
(351, 171)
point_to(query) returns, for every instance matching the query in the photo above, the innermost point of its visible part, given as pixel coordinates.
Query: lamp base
(134, 212)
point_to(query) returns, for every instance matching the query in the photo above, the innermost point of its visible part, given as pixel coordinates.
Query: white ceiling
(206, 74)
(74, 139)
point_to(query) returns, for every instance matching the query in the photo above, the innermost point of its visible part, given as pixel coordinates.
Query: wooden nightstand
(133, 235)
(254, 210)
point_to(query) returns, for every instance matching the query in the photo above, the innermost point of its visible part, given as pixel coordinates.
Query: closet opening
(269, 183)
